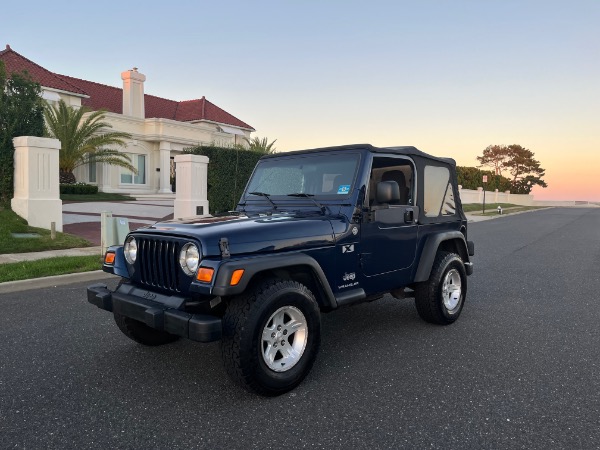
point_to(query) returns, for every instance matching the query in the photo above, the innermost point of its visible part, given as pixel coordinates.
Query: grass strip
(510, 211)
(59, 265)
(474, 207)
(10, 222)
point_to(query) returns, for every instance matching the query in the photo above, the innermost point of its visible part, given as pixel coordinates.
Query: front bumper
(157, 311)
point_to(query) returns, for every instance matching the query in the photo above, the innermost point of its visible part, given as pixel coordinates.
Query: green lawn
(99, 197)
(12, 223)
(47, 267)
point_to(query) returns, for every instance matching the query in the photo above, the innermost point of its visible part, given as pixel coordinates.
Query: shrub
(78, 188)
(228, 172)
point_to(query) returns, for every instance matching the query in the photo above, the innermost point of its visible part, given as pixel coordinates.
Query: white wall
(476, 196)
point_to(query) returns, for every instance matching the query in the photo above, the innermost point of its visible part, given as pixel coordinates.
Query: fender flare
(255, 265)
(430, 250)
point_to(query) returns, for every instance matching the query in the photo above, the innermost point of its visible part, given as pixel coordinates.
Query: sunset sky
(449, 77)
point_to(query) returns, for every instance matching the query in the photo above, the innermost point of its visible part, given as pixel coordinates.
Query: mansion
(160, 128)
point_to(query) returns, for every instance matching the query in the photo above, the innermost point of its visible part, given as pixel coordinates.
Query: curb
(54, 281)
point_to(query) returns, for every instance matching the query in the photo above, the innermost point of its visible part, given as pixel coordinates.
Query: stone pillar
(165, 168)
(191, 189)
(496, 196)
(37, 192)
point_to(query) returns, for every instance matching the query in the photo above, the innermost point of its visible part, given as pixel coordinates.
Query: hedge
(228, 172)
(472, 178)
(79, 188)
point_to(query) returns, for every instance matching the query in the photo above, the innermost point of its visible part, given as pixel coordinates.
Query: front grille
(158, 263)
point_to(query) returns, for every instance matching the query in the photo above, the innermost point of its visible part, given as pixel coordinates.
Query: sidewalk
(33, 256)
(475, 217)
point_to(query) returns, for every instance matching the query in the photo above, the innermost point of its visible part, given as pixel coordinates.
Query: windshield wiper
(267, 196)
(310, 197)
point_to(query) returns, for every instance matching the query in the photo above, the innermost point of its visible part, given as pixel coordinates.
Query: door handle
(409, 216)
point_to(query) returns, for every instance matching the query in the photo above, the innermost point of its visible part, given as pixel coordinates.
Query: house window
(92, 172)
(128, 177)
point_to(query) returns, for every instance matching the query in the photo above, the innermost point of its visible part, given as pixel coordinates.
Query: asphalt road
(520, 369)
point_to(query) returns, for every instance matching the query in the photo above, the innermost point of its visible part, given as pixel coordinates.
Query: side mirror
(387, 192)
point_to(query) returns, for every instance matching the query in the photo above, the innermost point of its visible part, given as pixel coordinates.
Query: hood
(250, 235)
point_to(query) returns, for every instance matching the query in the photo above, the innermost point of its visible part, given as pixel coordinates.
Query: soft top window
(321, 175)
(438, 196)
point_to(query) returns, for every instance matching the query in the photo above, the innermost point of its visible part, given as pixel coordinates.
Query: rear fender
(452, 241)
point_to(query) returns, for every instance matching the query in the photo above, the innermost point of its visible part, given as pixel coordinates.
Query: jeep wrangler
(314, 230)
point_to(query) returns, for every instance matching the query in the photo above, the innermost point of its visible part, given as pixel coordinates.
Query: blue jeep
(315, 230)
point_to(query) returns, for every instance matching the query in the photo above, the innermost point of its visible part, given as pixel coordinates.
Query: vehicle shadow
(351, 337)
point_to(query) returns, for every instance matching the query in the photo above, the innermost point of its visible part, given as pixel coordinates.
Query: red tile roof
(14, 62)
(101, 96)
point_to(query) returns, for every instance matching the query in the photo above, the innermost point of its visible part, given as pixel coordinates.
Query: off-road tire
(242, 344)
(429, 294)
(142, 333)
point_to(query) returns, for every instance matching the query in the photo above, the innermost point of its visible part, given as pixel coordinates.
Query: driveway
(83, 219)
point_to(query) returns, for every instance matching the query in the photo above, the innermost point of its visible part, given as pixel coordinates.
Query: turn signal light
(205, 274)
(236, 276)
(109, 258)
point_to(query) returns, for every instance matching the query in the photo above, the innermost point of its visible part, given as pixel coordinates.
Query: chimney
(133, 93)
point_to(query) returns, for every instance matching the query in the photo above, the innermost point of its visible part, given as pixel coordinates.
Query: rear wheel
(440, 299)
(271, 337)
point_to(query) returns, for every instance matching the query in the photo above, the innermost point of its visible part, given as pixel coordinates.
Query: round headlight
(189, 258)
(130, 249)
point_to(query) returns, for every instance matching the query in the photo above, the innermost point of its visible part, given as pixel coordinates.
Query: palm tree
(84, 140)
(261, 145)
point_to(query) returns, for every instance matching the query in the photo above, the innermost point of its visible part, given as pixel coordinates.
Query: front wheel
(271, 337)
(440, 299)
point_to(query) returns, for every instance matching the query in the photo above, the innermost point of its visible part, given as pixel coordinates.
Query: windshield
(320, 175)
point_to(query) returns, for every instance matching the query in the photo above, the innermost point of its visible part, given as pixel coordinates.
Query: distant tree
(21, 114)
(261, 145)
(526, 171)
(84, 140)
(494, 156)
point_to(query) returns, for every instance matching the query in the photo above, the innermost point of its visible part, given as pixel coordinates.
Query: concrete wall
(476, 196)
(574, 203)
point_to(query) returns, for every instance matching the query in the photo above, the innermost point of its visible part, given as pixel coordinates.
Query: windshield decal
(343, 189)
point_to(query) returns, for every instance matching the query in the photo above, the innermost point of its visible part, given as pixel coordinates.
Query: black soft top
(400, 150)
